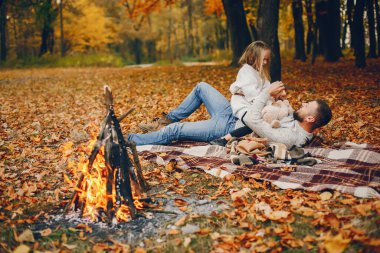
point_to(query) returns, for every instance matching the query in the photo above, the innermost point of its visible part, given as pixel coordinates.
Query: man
(311, 116)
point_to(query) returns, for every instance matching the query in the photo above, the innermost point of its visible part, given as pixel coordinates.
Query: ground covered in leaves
(49, 115)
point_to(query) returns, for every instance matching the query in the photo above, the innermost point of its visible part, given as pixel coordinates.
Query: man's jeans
(221, 123)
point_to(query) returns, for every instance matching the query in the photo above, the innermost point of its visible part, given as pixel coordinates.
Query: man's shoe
(219, 142)
(156, 124)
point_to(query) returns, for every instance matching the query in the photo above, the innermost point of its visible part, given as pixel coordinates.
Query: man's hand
(276, 88)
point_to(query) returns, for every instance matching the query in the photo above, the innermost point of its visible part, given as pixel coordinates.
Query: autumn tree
(267, 26)
(215, 8)
(299, 30)
(240, 36)
(88, 29)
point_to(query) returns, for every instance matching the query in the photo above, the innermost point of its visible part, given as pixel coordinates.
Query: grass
(79, 60)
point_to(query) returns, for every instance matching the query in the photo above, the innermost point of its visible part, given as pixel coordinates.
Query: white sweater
(250, 83)
(290, 134)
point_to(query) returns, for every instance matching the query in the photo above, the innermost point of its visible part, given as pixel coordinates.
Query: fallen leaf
(239, 194)
(26, 236)
(180, 202)
(140, 250)
(69, 246)
(332, 220)
(173, 232)
(325, 196)
(181, 221)
(186, 242)
(336, 244)
(364, 209)
(21, 249)
(46, 232)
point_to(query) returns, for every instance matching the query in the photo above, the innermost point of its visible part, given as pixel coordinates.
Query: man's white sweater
(289, 134)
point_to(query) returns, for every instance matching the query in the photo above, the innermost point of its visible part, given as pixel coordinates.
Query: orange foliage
(137, 7)
(214, 7)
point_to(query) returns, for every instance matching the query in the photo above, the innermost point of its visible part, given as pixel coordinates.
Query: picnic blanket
(346, 167)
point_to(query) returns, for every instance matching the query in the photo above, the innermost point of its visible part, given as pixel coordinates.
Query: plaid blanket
(345, 167)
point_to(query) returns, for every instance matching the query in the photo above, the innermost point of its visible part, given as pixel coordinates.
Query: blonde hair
(253, 55)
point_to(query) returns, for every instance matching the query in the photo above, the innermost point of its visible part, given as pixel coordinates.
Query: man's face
(307, 112)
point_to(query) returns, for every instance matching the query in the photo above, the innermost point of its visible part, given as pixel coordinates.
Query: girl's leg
(215, 102)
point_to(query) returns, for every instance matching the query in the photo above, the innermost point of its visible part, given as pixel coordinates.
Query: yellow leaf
(325, 196)
(21, 249)
(173, 232)
(140, 250)
(26, 236)
(336, 244)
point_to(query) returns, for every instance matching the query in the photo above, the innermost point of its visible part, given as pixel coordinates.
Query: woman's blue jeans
(221, 122)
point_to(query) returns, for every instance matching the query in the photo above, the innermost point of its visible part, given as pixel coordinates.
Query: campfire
(111, 182)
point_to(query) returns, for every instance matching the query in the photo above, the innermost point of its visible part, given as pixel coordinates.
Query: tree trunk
(151, 48)
(298, 30)
(190, 51)
(170, 25)
(358, 33)
(377, 9)
(3, 30)
(240, 37)
(349, 11)
(267, 26)
(321, 21)
(47, 40)
(220, 35)
(345, 26)
(187, 46)
(333, 51)
(47, 16)
(310, 26)
(61, 28)
(137, 50)
(371, 29)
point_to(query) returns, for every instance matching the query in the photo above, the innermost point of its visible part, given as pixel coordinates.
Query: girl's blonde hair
(254, 55)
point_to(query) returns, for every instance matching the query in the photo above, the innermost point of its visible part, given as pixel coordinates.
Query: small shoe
(156, 124)
(219, 142)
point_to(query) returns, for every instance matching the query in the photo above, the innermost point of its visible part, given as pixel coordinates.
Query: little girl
(252, 78)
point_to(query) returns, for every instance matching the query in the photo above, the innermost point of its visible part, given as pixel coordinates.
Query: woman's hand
(276, 89)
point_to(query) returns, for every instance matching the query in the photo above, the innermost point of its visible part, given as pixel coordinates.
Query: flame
(138, 204)
(93, 191)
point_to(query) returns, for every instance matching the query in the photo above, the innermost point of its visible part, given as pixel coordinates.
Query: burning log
(116, 172)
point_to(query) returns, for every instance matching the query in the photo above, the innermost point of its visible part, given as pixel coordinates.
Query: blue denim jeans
(221, 122)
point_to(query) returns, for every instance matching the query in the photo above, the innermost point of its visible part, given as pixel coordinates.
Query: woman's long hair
(254, 55)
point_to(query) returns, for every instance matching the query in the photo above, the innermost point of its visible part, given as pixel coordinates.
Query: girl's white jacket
(250, 84)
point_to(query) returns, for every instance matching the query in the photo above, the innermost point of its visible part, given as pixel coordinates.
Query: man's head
(315, 113)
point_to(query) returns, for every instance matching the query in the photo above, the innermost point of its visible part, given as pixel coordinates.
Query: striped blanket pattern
(345, 167)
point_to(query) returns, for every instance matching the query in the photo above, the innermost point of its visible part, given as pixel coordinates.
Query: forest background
(122, 32)
(49, 115)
